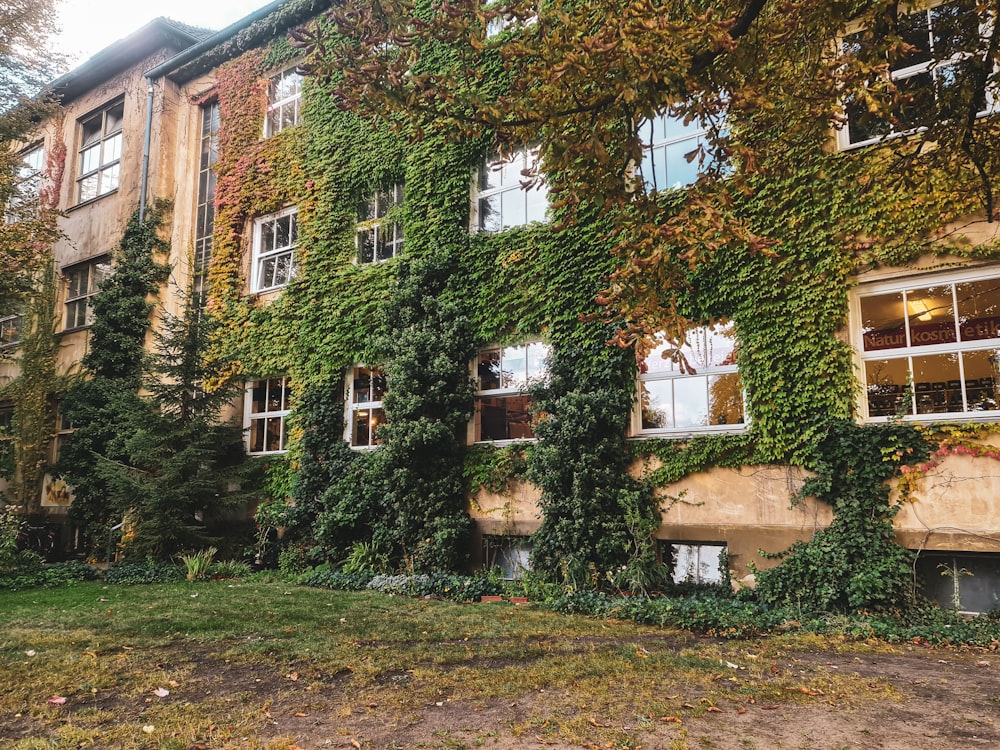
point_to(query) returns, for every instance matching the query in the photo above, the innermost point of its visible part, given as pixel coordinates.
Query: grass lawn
(263, 664)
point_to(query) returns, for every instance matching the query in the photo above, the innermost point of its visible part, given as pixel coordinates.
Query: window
(696, 387)
(966, 581)
(502, 201)
(6, 441)
(930, 349)
(284, 102)
(10, 330)
(205, 211)
(27, 185)
(667, 144)
(82, 283)
(503, 406)
(267, 406)
(512, 554)
(64, 429)
(275, 238)
(701, 563)
(380, 234)
(100, 152)
(366, 388)
(927, 75)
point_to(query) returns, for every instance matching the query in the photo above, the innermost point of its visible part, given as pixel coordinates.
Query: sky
(88, 26)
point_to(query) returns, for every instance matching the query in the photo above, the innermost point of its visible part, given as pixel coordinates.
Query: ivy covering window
(265, 413)
(275, 238)
(503, 201)
(927, 74)
(696, 387)
(503, 406)
(27, 185)
(931, 349)
(284, 102)
(667, 144)
(205, 211)
(100, 152)
(366, 388)
(10, 330)
(380, 235)
(82, 283)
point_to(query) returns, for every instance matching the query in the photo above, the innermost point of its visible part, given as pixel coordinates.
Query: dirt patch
(919, 699)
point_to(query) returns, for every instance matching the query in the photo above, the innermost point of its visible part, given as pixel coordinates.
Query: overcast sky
(88, 26)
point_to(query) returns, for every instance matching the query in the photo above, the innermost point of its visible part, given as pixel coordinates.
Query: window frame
(105, 164)
(353, 407)
(204, 224)
(707, 371)
(30, 175)
(495, 163)
(665, 122)
(267, 415)
(904, 287)
(274, 104)
(10, 323)
(670, 551)
(931, 66)
(507, 392)
(377, 226)
(83, 298)
(260, 257)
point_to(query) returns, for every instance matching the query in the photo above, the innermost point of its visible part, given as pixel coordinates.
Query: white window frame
(267, 416)
(923, 400)
(360, 402)
(100, 156)
(513, 385)
(284, 108)
(696, 572)
(663, 139)
(10, 330)
(81, 290)
(674, 372)
(933, 66)
(371, 215)
(265, 257)
(27, 184)
(509, 191)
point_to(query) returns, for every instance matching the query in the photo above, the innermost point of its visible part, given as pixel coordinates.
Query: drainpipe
(147, 140)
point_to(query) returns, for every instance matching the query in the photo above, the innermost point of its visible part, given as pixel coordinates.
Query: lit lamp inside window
(919, 308)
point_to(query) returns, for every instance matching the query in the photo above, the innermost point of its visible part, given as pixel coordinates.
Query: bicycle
(38, 539)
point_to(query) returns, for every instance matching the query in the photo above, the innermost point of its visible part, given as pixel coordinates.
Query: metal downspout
(147, 140)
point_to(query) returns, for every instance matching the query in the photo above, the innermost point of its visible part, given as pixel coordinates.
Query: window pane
(112, 149)
(931, 316)
(366, 246)
(109, 179)
(690, 402)
(725, 396)
(931, 376)
(656, 404)
(256, 435)
(512, 208)
(537, 358)
(273, 439)
(274, 395)
(113, 118)
(282, 232)
(680, 171)
(489, 213)
(488, 369)
(979, 309)
(514, 367)
(982, 377)
(505, 418)
(882, 321)
(91, 130)
(90, 159)
(886, 386)
(536, 203)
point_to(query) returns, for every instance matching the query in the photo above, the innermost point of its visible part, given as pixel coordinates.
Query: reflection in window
(694, 387)
(379, 239)
(10, 330)
(670, 152)
(82, 282)
(696, 562)
(366, 389)
(503, 202)
(27, 187)
(275, 238)
(100, 152)
(504, 374)
(267, 407)
(511, 554)
(930, 72)
(932, 349)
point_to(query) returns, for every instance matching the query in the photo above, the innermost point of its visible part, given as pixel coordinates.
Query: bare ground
(925, 699)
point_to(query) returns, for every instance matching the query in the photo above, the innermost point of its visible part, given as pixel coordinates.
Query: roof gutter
(176, 61)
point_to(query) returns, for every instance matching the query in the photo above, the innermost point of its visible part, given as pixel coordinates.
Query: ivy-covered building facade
(425, 376)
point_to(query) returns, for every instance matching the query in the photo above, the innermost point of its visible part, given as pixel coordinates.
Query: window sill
(680, 434)
(91, 201)
(507, 443)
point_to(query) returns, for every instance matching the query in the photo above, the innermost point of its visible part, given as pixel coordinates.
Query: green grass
(233, 653)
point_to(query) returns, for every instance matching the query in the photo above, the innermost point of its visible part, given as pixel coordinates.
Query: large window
(27, 185)
(275, 238)
(10, 330)
(265, 413)
(100, 152)
(503, 201)
(380, 233)
(693, 387)
(284, 102)
(696, 562)
(205, 212)
(927, 73)
(671, 156)
(82, 282)
(930, 348)
(366, 388)
(503, 406)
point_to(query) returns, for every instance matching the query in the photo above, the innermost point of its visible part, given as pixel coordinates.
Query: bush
(36, 575)
(148, 571)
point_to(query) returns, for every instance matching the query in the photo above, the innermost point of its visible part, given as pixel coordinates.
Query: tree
(765, 78)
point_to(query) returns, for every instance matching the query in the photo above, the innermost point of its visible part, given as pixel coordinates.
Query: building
(289, 219)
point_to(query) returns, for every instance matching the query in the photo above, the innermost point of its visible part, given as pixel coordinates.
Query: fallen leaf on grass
(30, 652)
(56, 700)
(161, 692)
(149, 729)
(670, 719)
(356, 744)
(741, 710)
(714, 709)
(768, 708)
(978, 663)
(174, 683)
(301, 715)
(805, 691)
(292, 676)
(543, 741)
(596, 723)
